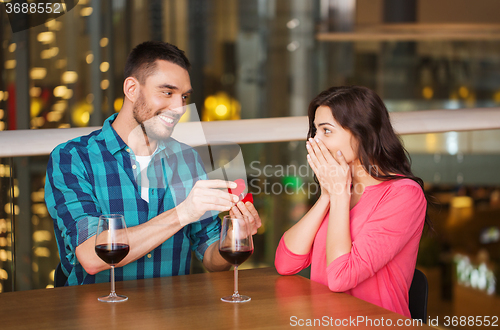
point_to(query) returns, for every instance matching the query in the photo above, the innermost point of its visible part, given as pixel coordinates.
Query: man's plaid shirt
(98, 174)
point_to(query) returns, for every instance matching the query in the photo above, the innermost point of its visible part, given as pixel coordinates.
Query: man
(133, 167)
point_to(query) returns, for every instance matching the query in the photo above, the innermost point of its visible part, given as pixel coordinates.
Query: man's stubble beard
(148, 125)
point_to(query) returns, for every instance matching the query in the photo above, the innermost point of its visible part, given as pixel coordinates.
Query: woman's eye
(327, 131)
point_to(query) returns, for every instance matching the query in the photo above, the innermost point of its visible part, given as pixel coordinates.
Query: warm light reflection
(46, 37)
(69, 77)
(8, 209)
(36, 107)
(39, 209)
(54, 117)
(221, 110)
(42, 236)
(463, 92)
(35, 91)
(81, 114)
(221, 107)
(38, 73)
(496, 97)
(68, 94)
(59, 91)
(104, 67)
(42, 252)
(87, 11)
(117, 105)
(431, 142)
(10, 64)
(12, 47)
(37, 122)
(60, 106)
(38, 196)
(49, 53)
(461, 211)
(105, 84)
(103, 42)
(89, 58)
(427, 92)
(53, 25)
(3, 255)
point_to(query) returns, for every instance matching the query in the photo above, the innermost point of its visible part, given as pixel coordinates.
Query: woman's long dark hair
(361, 111)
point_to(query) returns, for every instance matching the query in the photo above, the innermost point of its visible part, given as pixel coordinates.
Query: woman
(362, 235)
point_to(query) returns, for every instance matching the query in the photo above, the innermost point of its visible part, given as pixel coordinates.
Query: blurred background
(269, 58)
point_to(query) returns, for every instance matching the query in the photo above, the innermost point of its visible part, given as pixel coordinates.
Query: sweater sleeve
(398, 217)
(289, 263)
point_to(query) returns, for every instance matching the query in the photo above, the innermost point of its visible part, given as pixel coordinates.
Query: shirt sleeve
(206, 231)
(399, 216)
(289, 263)
(70, 200)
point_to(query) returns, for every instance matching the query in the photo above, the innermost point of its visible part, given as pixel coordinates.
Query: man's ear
(131, 88)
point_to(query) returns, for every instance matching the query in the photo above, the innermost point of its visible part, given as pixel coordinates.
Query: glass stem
(236, 294)
(113, 280)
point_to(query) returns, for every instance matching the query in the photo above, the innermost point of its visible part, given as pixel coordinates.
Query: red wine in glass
(112, 253)
(111, 245)
(237, 257)
(235, 246)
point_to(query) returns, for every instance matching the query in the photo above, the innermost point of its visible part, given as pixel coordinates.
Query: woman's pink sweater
(386, 226)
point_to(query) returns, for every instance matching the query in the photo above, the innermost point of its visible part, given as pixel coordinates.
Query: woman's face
(334, 136)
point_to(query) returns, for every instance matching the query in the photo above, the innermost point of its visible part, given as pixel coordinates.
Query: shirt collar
(113, 141)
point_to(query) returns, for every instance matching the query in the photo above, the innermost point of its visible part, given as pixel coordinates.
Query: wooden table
(192, 302)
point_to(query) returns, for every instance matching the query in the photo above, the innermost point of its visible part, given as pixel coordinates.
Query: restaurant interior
(255, 59)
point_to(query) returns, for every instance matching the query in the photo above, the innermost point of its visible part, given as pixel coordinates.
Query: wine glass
(111, 245)
(235, 245)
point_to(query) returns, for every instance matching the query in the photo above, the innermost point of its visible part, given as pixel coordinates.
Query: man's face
(162, 100)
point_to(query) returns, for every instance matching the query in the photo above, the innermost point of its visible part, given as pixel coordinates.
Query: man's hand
(206, 197)
(249, 213)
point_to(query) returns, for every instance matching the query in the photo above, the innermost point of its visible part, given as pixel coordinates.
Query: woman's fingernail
(308, 156)
(308, 145)
(339, 153)
(317, 140)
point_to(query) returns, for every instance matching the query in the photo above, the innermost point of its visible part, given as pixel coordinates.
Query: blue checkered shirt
(98, 174)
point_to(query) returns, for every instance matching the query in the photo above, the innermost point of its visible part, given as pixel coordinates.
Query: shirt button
(149, 255)
(134, 166)
(128, 150)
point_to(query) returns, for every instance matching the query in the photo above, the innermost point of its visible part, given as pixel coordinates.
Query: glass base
(112, 298)
(236, 299)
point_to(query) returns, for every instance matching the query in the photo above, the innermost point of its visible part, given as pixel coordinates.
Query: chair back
(59, 277)
(418, 296)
